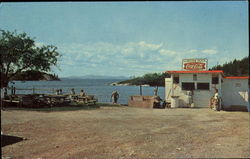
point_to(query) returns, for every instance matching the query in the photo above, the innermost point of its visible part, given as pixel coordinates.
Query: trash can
(174, 101)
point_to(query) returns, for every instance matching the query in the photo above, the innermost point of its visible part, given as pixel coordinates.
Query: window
(237, 84)
(195, 77)
(176, 79)
(203, 86)
(187, 86)
(215, 80)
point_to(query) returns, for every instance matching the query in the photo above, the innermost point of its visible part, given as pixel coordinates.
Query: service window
(187, 86)
(215, 80)
(195, 77)
(176, 80)
(203, 86)
(237, 84)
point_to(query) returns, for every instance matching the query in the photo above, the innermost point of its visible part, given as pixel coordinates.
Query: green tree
(235, 67)
(19, 53)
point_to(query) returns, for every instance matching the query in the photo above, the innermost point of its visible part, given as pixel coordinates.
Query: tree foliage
(32, 75)
(152, 79)
(235, 67)
(19, 53)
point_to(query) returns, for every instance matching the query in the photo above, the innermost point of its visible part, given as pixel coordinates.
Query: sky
(132, 38)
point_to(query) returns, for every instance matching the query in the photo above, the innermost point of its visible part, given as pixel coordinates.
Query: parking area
(127, 132)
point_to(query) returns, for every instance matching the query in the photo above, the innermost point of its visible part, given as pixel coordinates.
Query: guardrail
(14, 89)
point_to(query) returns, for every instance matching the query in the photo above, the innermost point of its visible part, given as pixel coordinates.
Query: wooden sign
(194, 64)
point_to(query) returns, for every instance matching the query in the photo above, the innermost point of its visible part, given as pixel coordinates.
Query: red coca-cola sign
(194, 66)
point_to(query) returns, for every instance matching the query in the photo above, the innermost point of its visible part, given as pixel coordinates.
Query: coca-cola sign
(194, 64)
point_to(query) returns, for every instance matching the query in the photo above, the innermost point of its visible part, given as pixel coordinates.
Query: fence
(33, 90)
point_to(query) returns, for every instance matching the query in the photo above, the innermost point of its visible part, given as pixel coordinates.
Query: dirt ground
(126, 132)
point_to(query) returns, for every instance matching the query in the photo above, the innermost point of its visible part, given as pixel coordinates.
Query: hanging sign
(194, 64)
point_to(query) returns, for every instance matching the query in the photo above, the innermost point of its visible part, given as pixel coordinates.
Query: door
(201, 98)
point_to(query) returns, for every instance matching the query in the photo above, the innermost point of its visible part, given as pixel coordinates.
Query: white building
(200, 85)
(235, 91)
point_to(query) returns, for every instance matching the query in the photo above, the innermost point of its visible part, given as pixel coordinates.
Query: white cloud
(192, 51)
(209, 51)
(167, 52)
(128, 58)
(149, 46)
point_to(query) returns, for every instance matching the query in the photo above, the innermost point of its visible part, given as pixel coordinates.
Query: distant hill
(235, 67)
(35, 76)
(96, 77)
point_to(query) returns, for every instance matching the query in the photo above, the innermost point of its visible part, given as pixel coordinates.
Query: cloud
(131, 58)
(167, 52)
(209, 51)
(192, 51)
(150, 46)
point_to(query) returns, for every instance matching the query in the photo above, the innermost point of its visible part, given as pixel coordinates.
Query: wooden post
(172, 85)
(33, 90)
(5, 93)
(12, 90)
(140, 90)
(156, 91)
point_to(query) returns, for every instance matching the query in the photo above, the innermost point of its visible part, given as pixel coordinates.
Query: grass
(72, 107)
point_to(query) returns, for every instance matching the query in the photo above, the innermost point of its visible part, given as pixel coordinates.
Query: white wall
(168, 85)
(232, 91)
(235, 92)
(201, 97)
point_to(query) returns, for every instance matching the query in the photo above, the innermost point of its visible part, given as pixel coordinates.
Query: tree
(19, 53)
(235, 67)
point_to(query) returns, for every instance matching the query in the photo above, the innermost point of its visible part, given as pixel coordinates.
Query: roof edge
(210, 71)
(237, 77)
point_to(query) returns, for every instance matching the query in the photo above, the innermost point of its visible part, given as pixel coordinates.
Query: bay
(101, 88)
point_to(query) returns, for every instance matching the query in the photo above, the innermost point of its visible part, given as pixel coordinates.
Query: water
(98, 87)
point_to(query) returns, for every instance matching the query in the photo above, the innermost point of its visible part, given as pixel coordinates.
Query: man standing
(114, 97)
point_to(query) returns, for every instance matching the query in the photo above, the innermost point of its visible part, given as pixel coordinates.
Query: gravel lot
(126, 132)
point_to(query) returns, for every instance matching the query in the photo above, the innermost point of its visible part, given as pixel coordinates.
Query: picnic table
(87, 99)
(56, 100)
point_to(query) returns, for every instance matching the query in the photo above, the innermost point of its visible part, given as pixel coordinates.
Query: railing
(14, 89)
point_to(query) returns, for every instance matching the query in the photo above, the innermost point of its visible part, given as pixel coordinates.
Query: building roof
(210, 71)
(235, 77)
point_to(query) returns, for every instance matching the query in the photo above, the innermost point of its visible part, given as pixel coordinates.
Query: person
(60, 91)
(73, 91)
(57, 91)
(115, 96)
(216, 100)
(82, 93)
